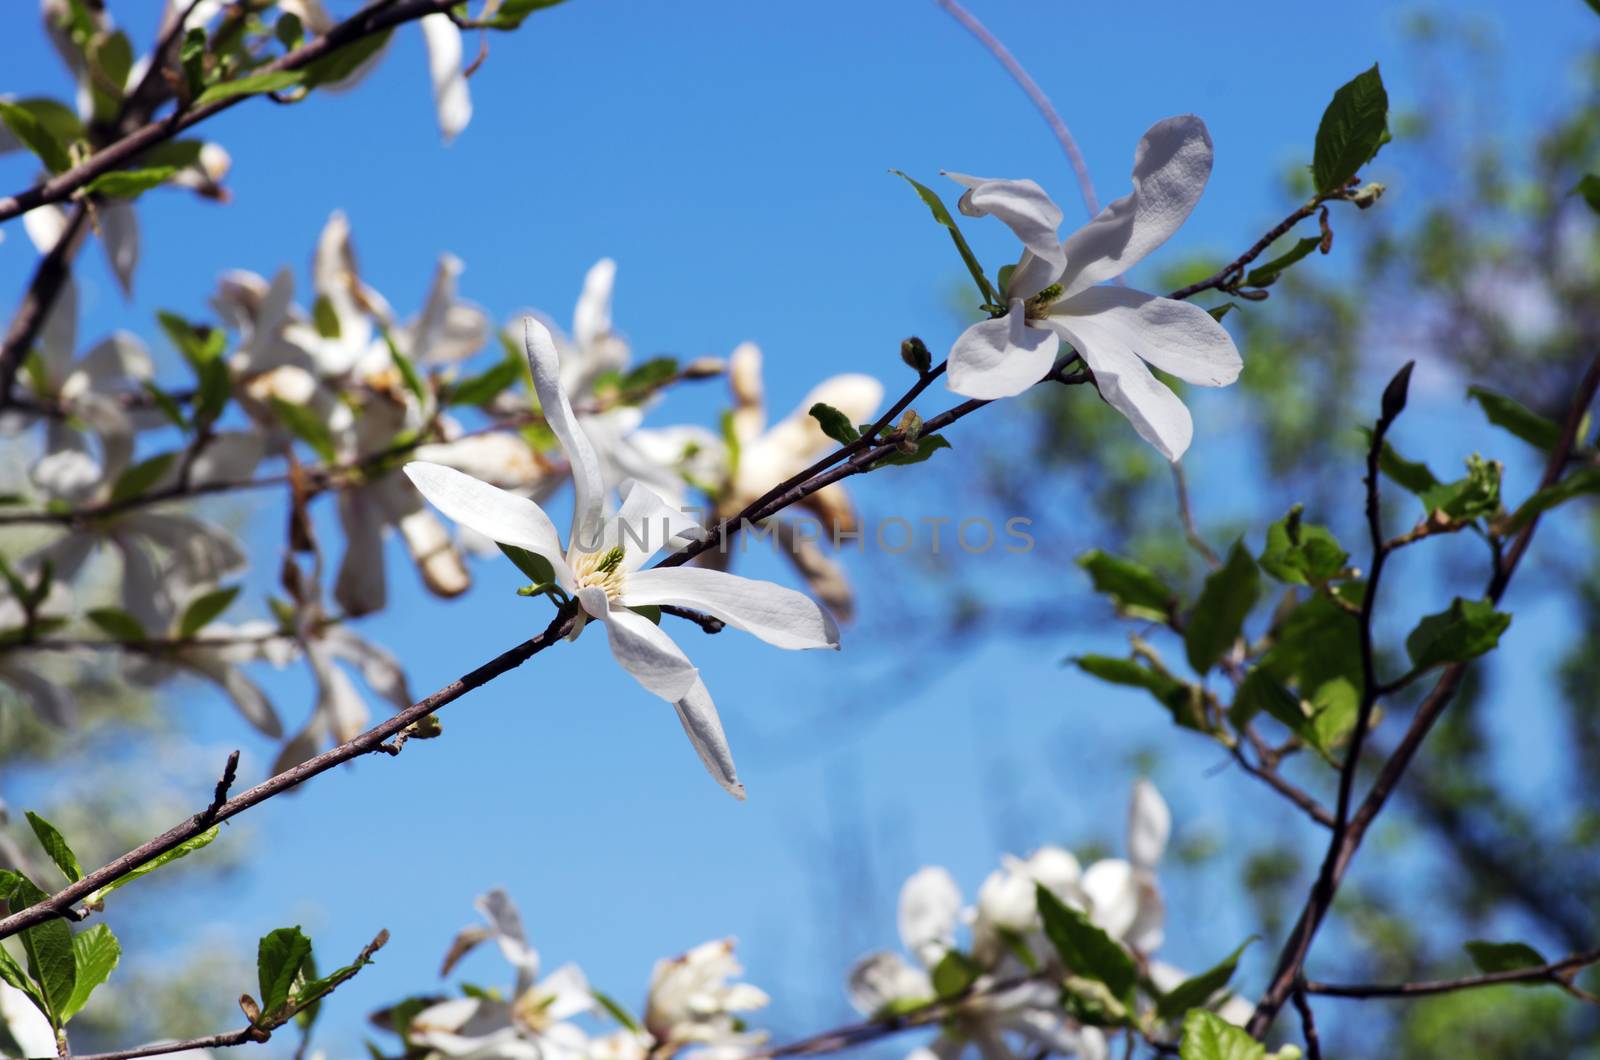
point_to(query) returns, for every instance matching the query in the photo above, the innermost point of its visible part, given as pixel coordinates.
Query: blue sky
(733, 158)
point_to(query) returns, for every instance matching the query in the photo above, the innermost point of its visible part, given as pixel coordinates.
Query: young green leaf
(1468, 629)
(137, 480)
(117, 624)
(1504, 957)
(197, 344)
(954, 975)
(1300, 553)
(96, 952)
(130, 183)
(216, 387)
(1580, 482)
(251, 85)
(35, 136)
(1085, 949)
(183, 849)
(1198, 989)
(345, 61)
(834, 424)
(167, 404)
(204, 609)
(1411, 475)
(49, 950)
(1354, 126)
(278, 959)
(1589, 186)
(1267, 275)
(1229, 593)
(935, 205)
(1135, 590)
(481, 389)
(927, 445)
(615, 1010)
(1207, 1036)
(14, 975)
(1513, 416)
(407, 370)
(1476, 496)
(55, 845)
(535, 566)
(1181, 700)
(307, 426)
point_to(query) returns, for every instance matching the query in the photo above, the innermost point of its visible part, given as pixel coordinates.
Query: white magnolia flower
(602, 567)
(1122, 895)
(1056, 293)
(51, 698)
(340, 712)
(692, 1003)
(452, 103)
(995, 1015)
(533, 1025)
(1008, 910)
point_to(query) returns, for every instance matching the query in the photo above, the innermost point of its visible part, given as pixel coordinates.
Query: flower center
(601, 570)
(532, 1009)
(1039, 305)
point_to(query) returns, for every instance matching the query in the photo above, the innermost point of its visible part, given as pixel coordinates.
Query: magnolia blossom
(52, 700)
(1056, 293)
(602, 566)
(692, 1002)
(533, 1025)
(1030, 1011)
(340, 712)
(452, 102)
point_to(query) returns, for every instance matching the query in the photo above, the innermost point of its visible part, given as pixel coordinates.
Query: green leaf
(1412, 475)
(1353, 128)
(48, 947)
(927, 445)
(1267, 275)
(1198, 989)
(481, 389)
(535, 566)
(648, 377)
(615, 1010)
(252, 85)
(192, 56)
(35, 136)
(278, 959)
(1318, 644)
(1335, 706)
(1181, 700)
(204, 609)
(58, 119)
(344, 61)
(137, 480)
(1589, 186)
(1301, 553)
(1207, 1036)
(55, 845)
(13, 973)
(1505, 957)
(167, 404)
(954, 974)
(117, 624)
(197, 344)
(1511, 415)
(110, 56)
(216, 387)
(130, 183)
(1473, 497)
(1230, 592)
(182, 850)
(1085, 949)
(834, 424)
(1134, 589)
(1468, 629)
(512, 12)
(935, 205)
(1583, 481)
(407, 370)
(308, 426)
(1261, 693)
(95, 951)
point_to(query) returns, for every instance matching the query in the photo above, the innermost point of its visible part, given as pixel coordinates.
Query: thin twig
(1558, 973)
(1308, 1023)
(1191, 533)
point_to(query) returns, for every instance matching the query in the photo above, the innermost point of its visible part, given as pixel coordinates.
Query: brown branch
(1558, 973)
(1347, 840)
(49, 277)
(368, 742)
(1227, 277)
(1308, 1023)
(1277, 782)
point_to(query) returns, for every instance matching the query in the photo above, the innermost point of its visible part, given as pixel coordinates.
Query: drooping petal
(51, 701)
(1149, 825)
(338, 702)
(116, 360)
(568, 991)
(1127, 385)
(361, 587)
(426, 539)
(642, 649)
(58, 336)
(1001, 357)
(930, 903)
(497, 908)
(451, 100)
(252, 702)
(1179, 338)
(587, 483)
(1170, 170)
(1023, 207)
(119, 235)
(698, 715)
(230, 456)
(749, 405)
(496, 513)
(380, 669)
(777, 615)
(1148, 929)
(591, 317)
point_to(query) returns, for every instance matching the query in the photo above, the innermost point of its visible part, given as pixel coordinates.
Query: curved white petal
(749, 402)
(930, 903)
(1127, 385)
(252, 702)
(1170, 170)
(1112, 888)
(1149, 825)
(1001, 357)
(591, 318)
(1179, 338)
(119, 236)
(380, 669)
(1022, 206)
(642, 649)
(493, 512)
(779, 616)
(588, 485)
(698, 715)
(794, 441)
(644, 525)
(362, 584)
(879, 979)
(451, 100)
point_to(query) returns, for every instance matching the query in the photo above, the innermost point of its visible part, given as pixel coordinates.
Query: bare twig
(1308, 1023)
(49, 277)
(1559, 973)
(1191, 533)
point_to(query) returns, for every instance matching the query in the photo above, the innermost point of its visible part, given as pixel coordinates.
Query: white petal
(496, 513)
(798, 438)
(777, 615)
(58, 337)
(930, 902)
(1127, 385)
(28, 1027)
(701, 723)
(645, 524)
(1113, 893)
(230, 456)
(361, 586)
(1001, 357)
(1170, 170)
(451, 100)
(587, 484)
(338, 703)
(119, 235)
(498, 909)
(881, 978)
(591, 318)
(45, 225)
(569, 993)
(435, 555)
(51, 701)
(744, 378)
(379, 668)
(1148, 929)
(113, 361)
(1149, 825)
(1023, 207)
(642, 649)
(1179, 338)
(252, 702)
